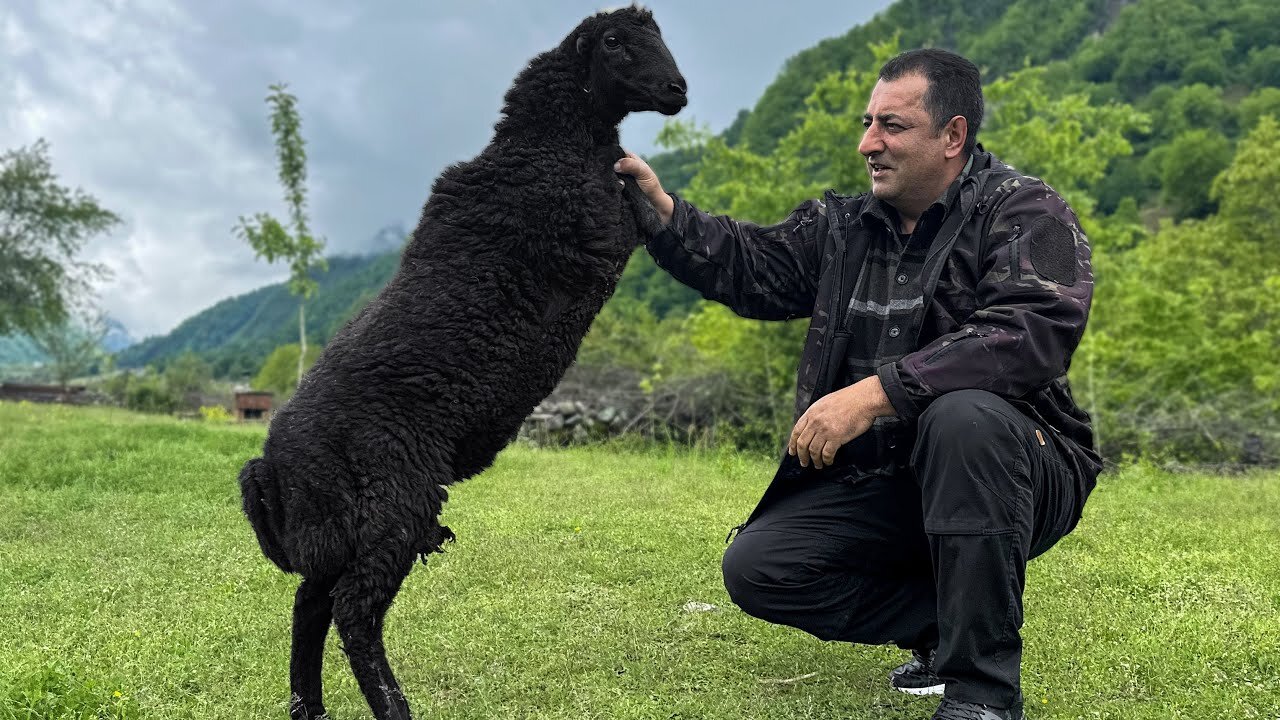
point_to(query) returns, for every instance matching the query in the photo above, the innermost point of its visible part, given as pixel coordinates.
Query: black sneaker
(916, 675)
(956, 710)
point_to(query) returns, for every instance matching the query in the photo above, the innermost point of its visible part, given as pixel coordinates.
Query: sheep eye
(612, 42)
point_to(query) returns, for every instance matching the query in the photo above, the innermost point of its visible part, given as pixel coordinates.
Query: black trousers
(932, 556)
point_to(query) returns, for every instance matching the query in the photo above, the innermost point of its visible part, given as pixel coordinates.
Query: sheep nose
(678, 87)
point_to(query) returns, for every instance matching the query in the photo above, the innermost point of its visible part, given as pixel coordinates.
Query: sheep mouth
(667, 103)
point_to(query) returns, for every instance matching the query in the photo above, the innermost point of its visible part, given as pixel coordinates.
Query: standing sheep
(514, 255)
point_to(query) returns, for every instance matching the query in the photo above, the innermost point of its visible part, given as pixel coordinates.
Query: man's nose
(870, 142)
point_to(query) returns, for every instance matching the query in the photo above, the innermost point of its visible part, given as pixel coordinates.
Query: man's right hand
(648, 181)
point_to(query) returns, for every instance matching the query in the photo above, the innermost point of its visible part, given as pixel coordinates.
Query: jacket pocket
(948, 345)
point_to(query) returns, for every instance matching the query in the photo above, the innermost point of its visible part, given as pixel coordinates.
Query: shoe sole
(930, 690)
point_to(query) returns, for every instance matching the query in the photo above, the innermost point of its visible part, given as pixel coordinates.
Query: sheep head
(626, 65)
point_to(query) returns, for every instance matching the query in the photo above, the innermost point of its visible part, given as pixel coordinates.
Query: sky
(156, 108)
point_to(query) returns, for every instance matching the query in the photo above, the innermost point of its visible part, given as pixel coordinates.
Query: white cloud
(131, 123)
(156, 108)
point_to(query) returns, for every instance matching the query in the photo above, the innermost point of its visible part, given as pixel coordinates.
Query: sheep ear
(582, 45)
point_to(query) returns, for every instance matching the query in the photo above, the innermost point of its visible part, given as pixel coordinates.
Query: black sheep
(514, 255)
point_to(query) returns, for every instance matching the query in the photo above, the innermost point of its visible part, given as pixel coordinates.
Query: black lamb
(515, 253)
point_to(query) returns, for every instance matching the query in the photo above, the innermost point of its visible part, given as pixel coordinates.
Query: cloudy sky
(156, 108)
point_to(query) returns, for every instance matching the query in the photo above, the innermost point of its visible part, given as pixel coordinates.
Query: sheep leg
(312, 614)
(360, 602)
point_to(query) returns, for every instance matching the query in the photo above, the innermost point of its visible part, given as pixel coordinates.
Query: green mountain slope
(236, 335)
(19, 350)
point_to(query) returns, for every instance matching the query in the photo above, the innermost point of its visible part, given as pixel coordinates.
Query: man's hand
(648, 181)
(837, 418)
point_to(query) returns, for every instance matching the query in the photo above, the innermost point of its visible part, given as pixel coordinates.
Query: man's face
(906, 159)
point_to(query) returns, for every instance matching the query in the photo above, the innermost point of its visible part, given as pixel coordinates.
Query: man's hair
(954, 87)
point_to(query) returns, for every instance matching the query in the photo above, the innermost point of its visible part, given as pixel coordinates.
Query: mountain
(236, 335)
(19, 350)
(118, 337)
(22, 350)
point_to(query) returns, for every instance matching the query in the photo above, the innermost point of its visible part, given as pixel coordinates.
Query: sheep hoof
(300, 709)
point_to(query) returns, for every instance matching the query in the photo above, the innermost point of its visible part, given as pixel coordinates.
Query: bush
(216, 414)
(279, 374)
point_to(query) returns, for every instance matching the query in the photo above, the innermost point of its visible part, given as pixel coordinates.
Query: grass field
(131, 587)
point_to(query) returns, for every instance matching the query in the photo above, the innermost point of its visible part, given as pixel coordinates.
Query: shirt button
(894, 331)
(902, 278)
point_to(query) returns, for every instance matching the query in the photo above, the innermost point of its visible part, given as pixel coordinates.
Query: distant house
(74, 394)
(253, 405)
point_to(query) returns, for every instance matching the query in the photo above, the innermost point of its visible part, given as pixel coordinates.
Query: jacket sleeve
(1033, 300)
(766, 273)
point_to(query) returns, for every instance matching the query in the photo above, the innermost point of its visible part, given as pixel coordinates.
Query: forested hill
(1137, 51)
(236, 335)
(1202, 73)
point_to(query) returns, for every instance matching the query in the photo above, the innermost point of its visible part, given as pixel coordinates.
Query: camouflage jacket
(991, 291)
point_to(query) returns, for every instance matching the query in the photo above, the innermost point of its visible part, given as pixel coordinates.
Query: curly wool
(515, 253)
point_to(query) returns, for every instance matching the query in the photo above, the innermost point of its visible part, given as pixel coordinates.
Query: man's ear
(582, 44)
(956, 131)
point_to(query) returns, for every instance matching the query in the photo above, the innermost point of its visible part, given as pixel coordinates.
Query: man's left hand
(835, 419)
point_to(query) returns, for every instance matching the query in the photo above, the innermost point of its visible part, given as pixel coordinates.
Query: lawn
(132, 587)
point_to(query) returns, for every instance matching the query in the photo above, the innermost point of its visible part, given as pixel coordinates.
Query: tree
(1186, 325)
(187, 375)
(267, 235)
(43, 228)
(72, 347)
(1259, 103)
(1187, 168)
(283, 369)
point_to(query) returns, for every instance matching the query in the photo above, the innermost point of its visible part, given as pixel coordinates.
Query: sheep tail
(260, 494)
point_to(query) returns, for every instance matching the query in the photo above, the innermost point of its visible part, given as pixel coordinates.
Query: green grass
(126, 567)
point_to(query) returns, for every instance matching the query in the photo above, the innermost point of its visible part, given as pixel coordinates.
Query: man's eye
(866, 124)
(895, 127)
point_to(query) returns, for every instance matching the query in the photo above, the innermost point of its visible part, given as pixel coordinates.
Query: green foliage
(1062, 138)
(216, 414)
(1260, 102)
(1193, 107)
(43, 229)
(187, 375)
(1181, 356)
(1246, 190)
(1188, 167)
(72, 348)
(181, 385)
(146, 392)
(1031, 33)
(1263, 67)
(268, 236)
(279, 374)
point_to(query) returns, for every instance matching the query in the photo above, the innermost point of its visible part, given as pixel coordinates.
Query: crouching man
(937, 447)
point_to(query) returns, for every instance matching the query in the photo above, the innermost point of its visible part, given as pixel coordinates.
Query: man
(937, 447)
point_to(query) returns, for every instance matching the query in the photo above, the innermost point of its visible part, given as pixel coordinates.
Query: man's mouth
(877, 170)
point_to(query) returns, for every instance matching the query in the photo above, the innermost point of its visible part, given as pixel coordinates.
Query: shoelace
(955, 710)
